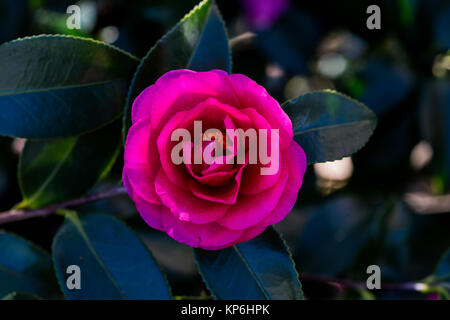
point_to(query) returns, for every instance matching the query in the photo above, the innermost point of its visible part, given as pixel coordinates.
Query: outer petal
(151, 213)
(252, 95)
(142, 104)
(198, 235)
(296, 162)
(186, 88)
(297, 168)
(141, 161)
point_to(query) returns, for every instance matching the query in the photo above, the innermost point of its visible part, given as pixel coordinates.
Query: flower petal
(141, 161)
(144, 102)
(205, 236)
(151, 213)
(296, 163)
(252, 95)
(226, 194)
(187, 89)
(184, 205)
(252, 209)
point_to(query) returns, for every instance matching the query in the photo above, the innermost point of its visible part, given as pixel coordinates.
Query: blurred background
(387, 205)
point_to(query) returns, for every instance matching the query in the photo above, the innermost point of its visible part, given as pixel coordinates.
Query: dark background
(390, 209)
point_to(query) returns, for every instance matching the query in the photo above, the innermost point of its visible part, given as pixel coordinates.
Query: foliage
(70, 96)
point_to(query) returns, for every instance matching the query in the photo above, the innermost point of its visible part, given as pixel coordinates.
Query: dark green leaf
(25, 268)
(198, 42)
(60, 86)
(21, 296)
(328, 125)
(258, 269)
(333, 236)
(114, 263)
(52, 171)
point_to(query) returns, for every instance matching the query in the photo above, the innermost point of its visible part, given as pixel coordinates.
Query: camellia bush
(88, 110)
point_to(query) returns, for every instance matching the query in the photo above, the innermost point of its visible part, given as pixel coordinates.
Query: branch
(428, 204)
(18, 215)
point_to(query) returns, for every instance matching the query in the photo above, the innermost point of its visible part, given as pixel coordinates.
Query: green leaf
(334, 235)
(328, 125)
(259, 269)
(52, 171)
(21, 296)
(198, 42)
(24, 267)
(114, 263)
(54, 86)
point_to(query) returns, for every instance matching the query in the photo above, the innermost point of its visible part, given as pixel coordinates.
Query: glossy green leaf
(328, 125)
(21, 296)
(54, 86)
(198, 42)
(259, 269)
(114, 263)
(24, 267)
(52, 171)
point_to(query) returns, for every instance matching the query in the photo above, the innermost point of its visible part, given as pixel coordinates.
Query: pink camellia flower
(221, 202)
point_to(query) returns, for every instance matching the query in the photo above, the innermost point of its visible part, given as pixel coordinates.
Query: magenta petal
(226, 194)
(252, 180)
(211, 177)
(143, 103)
(297, 168)
(186, 206)
(151, 213)
(205, 236)
(176, 173)
(252, 209)
(252, 95)
(141, 161)
(187, 89)
(252, 232)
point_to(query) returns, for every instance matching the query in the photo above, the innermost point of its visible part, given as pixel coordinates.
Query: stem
(18, 215)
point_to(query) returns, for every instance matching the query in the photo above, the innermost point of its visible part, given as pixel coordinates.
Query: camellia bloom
(215, 205)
